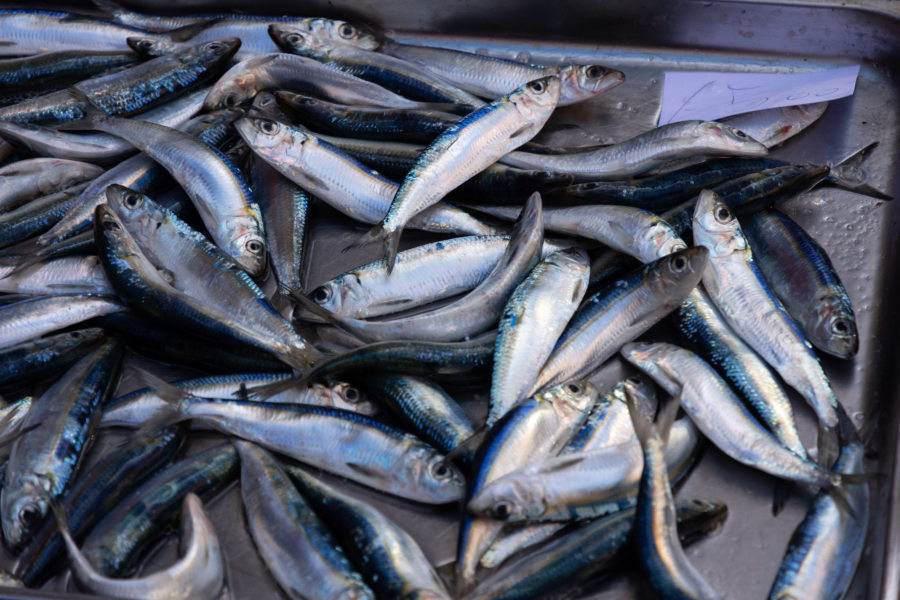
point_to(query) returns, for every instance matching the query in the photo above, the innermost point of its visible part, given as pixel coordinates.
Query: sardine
(35, 360)
(30, 319)
(35, 177)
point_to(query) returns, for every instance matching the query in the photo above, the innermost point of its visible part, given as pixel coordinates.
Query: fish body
(25, 32)
(36, 359)
(35, 177)
(68, 275)
(30, 319)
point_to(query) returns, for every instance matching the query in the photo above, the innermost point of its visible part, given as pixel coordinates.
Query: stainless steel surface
(643, 39)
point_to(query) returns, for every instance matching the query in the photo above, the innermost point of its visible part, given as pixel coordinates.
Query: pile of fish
(159, 177)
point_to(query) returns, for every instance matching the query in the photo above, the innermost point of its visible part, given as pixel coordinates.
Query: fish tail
(92, 114)
(391, 241)
(367, 239)
(828, 446)
(849, 174)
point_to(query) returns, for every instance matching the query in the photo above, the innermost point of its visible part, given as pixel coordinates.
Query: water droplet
(619, 105)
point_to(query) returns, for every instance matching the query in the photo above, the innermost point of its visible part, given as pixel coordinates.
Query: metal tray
(644, 39)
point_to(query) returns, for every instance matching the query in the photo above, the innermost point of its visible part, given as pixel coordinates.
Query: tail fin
(92, 114)
(174, 398)
(644, 429)
(391, 240)
(828, 446)
(849, 174)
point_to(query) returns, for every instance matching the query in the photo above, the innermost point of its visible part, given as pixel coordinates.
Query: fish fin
(175, 399)
(562, 463)
(93, 114)
(391, 241)
(315, 310)
(261, 393)
(367, 239)
(364, 470)
(109, 8)
(521, 131)
(187, 32)
(467, 448)
(780, 494)
(643, 427)
(828, 446)
(839, 495)
(849, 174)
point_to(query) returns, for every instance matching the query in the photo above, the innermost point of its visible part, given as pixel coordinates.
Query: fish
(31, 318)
(27, 32)
(539, 427)
(774, 126)
(36, 359)
(389, 558)
(532, 321)
(68, 275)
(803, 278)
(409, 79)
(620, 313)
(37, 217)
(739, 290)
(58, 430)
(199, 573)
(301, 554)
(645, 151)
(340, 180)
(35, 177)
(59, 69)
(660, 552)
(125, 533)
(464, 150)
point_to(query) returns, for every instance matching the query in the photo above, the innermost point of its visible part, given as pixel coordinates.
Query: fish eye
(347, 31)
(75, 334)
(230, 100)
(501, 510)
(442, 470)
(740, 133)
(216, 47)
(132, 200)
(266, 100)
(321, 295)
(840, 327)
(293, 38)
(537, 87)
(268, 127)
(254, 246)
(632, 380)
(574, 388)
(723, 215)
(594, 71)
(351, 394)
(679, 264)
(144, 44)
(29, 516)
(110, 226)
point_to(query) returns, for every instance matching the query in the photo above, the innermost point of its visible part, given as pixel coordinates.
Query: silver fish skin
(214, 185)
(344, 183)
(198, 574)
(532, 321)
(774, 126)
(491, 77)
(827, 545)
(413, 81)
(622, 312)
(58, 431)
(34, 317)
(465, 150)
(136, 172)
(340, 442)
(34, 177)
(660, 552)
(67, 275)
(720, 415)
(539, 427)
(582, 485)
(645, 151)
(801, 275)
(12, 416)
(98, 148)
(478, 310)
(287, 71)
(389, 558)
(137, 407)
(743, 298)
(299, 551)
(25, 32)
(199, 270)
(284, 206)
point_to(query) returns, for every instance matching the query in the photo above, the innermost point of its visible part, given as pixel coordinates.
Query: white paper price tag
(709, 96)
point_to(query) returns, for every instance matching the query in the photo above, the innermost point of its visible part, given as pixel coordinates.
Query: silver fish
(301, 554)
(532, 321)
(34, 177)
(280, 71)
(343, 182)
(67, 275)
(36, 31)
(34, 317)
(466, 149)
(644, 151)
(198, 574)
(776, 125)
(620, 313)
(738, 289)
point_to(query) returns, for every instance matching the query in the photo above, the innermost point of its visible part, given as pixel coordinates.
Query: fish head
(580, 82)
(832, 326)
(276, 142)
(716, 227)
(234, 88)
(342, 32)
(297, 41)
(135, 210)
(430, 473)
(215, 53)
(658, 239)
(725, 140)
(23, 506)
(329, 296)
(673, 276)
(265, 104)
(349, 397)
(247, 245)
(517, 496)
(536, 99)
(651, 358)
(697, 518)
(65, 173)
(152, 46)
(573, 398)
